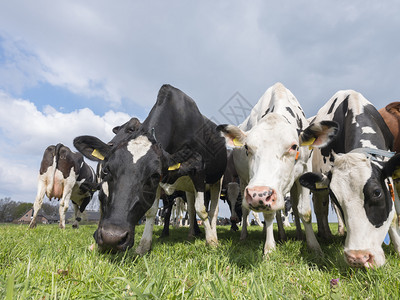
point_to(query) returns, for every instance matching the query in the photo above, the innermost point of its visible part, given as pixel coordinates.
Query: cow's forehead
(139, 147)
(351, 172)
(274, 129)
(352, 163)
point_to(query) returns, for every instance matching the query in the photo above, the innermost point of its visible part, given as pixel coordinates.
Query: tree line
(11, 210)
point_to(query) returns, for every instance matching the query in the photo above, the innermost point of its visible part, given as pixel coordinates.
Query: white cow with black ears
(354, 171)
(269, 157)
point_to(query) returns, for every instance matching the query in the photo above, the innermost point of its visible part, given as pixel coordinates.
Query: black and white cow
(351, 170)
(176, 147)
(64, 175)
(269, 158)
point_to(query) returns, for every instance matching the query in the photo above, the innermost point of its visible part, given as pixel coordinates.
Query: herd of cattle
(342, 154)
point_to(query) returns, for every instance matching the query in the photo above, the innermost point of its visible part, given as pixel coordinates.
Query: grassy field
(48, 263)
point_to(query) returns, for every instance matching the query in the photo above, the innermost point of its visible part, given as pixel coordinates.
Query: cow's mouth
(260, 208)
(360, 259)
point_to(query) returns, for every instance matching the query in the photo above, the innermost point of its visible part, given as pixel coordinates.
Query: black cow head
(130, 176)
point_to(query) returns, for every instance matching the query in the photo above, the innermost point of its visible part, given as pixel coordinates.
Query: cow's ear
(319, 134)
(233, 135)
(131, 126)
(116, 129)
(392, 167)
(91, 147)
(314, 181)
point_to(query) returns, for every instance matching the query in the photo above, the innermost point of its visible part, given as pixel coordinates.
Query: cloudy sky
(82, 67)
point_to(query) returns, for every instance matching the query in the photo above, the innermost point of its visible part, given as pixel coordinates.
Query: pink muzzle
(260, 198)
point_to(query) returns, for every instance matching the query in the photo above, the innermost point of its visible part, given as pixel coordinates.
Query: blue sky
(84, 67)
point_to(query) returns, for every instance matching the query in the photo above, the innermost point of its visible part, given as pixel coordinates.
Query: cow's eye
(294, 147)
(105, 173)
(377, 193)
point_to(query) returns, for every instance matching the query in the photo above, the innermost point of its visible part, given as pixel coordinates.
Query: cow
(176, 148)
(286, 212)
(391, 115)
(64, 175)
(354, 170)
(269, 157)
(178, 210)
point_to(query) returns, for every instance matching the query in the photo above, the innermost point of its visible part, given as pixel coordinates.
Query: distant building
(41, 218)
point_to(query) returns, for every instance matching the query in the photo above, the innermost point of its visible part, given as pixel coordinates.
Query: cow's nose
(359, 258)
(112, 237)
(260, 197)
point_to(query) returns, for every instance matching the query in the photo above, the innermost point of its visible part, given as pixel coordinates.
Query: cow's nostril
(123, 238)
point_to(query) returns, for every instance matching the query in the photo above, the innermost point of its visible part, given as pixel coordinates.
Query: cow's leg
(38, 202)
(397, 201)
(232, 193)
(147, 237)
(211, 237)
(245, 213)
(77, 214)
(321, 209)
(168, 202)
(269, 233)
(257, 218)
(190, 197)
(281, 230)
(394, 232)
(340, 221)
(301, 201)
(299, 231)
(64, 203)
(285, 218)
(178, 211)
(244, 233)
(215, 191)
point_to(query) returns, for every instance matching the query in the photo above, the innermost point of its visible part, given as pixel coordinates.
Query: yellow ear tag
(396, 174)
(320, 186)
(237, 143)
(97, 154)
(174, 167)
(309, 142)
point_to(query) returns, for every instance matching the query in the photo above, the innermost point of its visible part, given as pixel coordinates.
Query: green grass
(49, 263)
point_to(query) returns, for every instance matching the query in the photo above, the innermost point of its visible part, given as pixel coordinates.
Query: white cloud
(25, 133)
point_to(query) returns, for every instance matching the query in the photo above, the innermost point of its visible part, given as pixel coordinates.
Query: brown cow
(391, 115)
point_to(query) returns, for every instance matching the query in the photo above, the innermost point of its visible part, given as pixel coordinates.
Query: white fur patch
(367, 144)
(139, 147)
(367, 129)
(104, 187)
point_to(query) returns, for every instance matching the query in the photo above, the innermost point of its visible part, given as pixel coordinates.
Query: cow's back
(360, 124)
(177, 123)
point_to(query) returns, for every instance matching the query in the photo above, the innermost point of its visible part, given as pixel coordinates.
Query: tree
(7, 208)
(20, 209)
